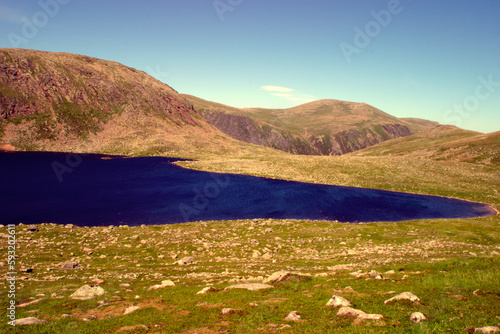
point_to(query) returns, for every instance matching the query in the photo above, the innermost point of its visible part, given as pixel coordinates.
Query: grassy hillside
(442, 143)
(67, 102)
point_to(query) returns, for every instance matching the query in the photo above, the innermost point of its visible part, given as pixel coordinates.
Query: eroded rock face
(253, 131)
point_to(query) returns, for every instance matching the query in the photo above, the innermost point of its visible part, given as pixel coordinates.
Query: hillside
(66, 102)
(445, 142)
(323, 127)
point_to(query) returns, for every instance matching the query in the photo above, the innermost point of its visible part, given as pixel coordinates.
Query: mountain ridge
(322, 127)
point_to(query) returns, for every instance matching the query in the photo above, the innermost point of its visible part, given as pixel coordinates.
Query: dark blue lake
(94, 190)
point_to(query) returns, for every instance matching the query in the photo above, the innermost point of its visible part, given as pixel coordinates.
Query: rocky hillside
(324, 127)
(59, 101)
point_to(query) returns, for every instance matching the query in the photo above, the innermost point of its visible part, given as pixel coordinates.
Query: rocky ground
(257, 276)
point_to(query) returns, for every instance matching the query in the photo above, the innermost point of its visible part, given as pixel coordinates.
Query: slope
(323, 127)
(67, 102)
(444, 142)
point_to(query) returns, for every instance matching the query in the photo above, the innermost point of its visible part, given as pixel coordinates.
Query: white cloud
(10, 15)
(276, 89)
(284, 92)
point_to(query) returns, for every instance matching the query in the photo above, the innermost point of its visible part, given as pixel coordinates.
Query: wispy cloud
(10, 15)
(285, 92)
(276, 89)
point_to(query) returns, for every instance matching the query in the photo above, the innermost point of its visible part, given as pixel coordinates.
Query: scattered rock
(227, 311)
(250, 286)
(30, 303)
(371, 316)
(28, 321)
(282, 276)
(69, 226)
(163, 284)
(69, 265)
(390, 272)
(337, 301)
(32, 228)
(485, 330)
(417, 317)
(131, 309)
(87, 292)
(132, 329)
(403, 296)
(349, 312)
(185, 261)
(293, 316)
(206, 290)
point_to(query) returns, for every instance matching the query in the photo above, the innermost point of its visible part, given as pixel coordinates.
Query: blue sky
(438, 60)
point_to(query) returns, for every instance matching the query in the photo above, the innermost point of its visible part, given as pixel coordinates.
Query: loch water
(100, 190)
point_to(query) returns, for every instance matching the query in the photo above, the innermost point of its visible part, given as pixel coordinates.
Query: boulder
(163, 284)
(131, 309)
(417, 317)
(282, 276)
(337, 301)
(206, 290)
(87, 292)
(403, 296)
(347, 311)
(68, 265)
(293, 316)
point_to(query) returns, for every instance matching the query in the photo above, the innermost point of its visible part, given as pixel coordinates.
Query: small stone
(486, 330)
(163, 284)
(282, 276)
(206, 290)
(131, 309)
(32, 228)
(349, 312)
(28, 321)
(337, 301)
(250, 286)
(69, 265)
(226, 311)
(293, 316)
(87, 292)
(69, 226)
(390, 272)
(185, 261)
(417, 317)
(403, 296)
(132, 329)
(371, 316)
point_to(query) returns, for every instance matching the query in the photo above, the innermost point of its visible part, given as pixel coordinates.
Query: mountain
(68, 102)
(323, 127)
(444, 142)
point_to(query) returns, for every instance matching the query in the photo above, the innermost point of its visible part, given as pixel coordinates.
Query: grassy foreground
(453, 266)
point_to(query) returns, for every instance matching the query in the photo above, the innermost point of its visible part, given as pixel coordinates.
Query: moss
(80, 121)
